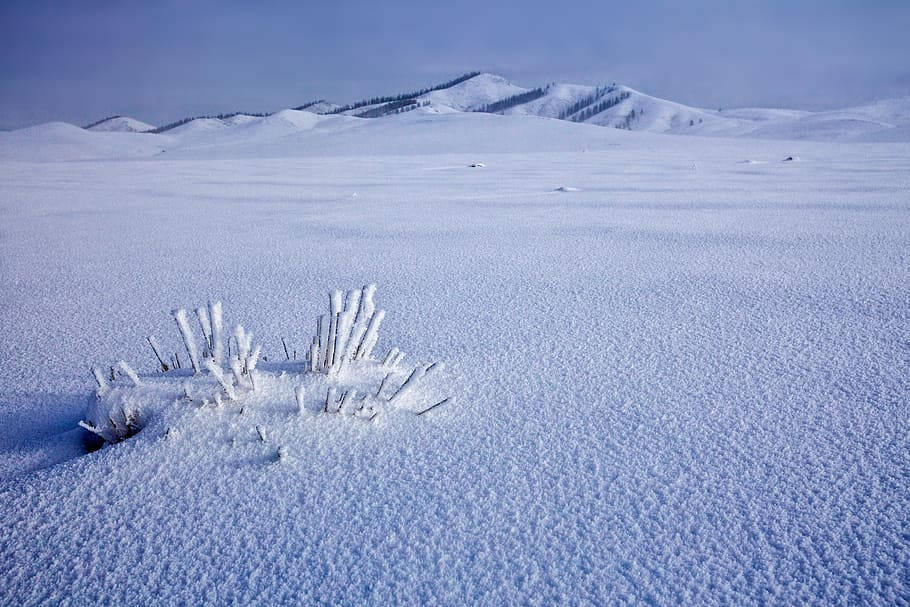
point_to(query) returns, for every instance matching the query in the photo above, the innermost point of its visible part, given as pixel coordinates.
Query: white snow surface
(122, 124)
(673, 385)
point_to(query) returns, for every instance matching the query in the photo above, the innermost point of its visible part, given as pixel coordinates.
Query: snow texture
(670, 386)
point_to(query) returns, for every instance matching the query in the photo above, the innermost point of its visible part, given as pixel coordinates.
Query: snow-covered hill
(62, 141)
(473, 93)
(613, 105)
(120, 124)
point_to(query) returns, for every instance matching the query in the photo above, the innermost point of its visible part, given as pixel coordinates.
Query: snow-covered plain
(681, 366)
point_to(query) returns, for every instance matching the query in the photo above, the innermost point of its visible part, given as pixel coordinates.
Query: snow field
(671, 385)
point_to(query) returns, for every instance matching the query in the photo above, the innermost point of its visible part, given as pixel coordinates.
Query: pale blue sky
(160, 61)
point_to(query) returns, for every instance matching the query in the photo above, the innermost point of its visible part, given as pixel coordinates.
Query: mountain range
(611, 105)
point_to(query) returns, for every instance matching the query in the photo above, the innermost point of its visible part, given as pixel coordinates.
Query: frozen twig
(186, 333)
(99, 378)
(128, 371)
(206, 326)
(218, 373)
(157, 350)
(409, 383)
(215, 317)
(431, 407)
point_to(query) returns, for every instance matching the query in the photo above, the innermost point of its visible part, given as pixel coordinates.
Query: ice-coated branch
(331, 395)
(157, 350)
(218, 374)
(187, 334)
(352, 304)
(382, 384)
(253, 358)
(371, 337)
(128, 371)
(323, 339)
(243, 340)
(216, 320)
(390, 355)
(333, 337)
(99, 378)
(357, 332)
(346, 401)
(205, 324)
(314, 357)
(343, 333)
(409, 383)
(367, 307)
(335, 301)
(431, 407)
(237, 370)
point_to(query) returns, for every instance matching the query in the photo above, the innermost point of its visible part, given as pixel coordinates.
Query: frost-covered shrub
(339, 374)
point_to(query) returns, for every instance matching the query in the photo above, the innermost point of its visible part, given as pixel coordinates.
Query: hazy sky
(160, 61)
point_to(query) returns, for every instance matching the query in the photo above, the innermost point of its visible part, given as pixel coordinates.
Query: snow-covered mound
(63, 141)
(885, 120)
(121, 124)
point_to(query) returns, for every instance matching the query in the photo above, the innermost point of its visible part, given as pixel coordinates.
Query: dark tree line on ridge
(97, 122)
(509, 102)
(403, 96)
(586, 101)
(393, 107)
(309, 104)
(593, 110)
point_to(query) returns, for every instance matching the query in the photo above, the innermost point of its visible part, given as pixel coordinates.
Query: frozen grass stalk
(243, 339)
(206, 326)
(391, 354)
(186, 333)
(157, 350)
(367, 307)
(354, 340)
(128, 371)
(409, 383)
(253, 359)
(371, 337)
(217, 372)
(237, 370)
(344, 332)
(217, 324)
(314, 357)
(331, 396)
(99, 378)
